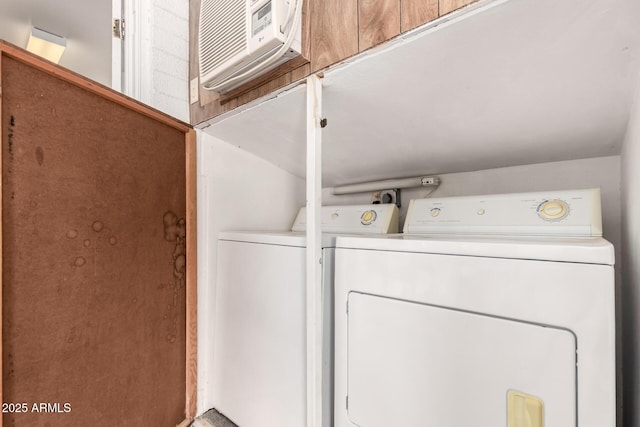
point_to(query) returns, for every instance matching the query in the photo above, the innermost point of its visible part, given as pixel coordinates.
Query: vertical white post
(314, 252)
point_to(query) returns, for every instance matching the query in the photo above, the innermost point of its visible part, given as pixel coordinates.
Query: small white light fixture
(46, 45)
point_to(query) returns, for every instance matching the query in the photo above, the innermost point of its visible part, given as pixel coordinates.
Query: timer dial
(553, 210)
(368, 217)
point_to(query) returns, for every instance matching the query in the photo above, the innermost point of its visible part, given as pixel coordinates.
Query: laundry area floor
(212, 418)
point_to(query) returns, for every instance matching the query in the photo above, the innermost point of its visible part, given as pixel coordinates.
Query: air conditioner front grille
(242, 67)
(223, 32)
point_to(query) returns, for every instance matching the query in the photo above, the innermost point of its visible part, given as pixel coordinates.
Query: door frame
(131, 57)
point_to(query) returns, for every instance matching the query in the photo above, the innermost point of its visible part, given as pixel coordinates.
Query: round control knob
(368, 217)
(435, 212)
(334, 216)
(553, 210)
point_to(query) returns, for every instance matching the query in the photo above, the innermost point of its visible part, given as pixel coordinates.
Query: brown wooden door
(94, 254)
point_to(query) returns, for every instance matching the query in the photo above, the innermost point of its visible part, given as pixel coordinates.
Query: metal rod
(364, 187)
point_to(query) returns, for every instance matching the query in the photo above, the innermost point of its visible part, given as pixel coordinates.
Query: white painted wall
(157, 54)
(630, 175)
(170, 57)
(236, 191)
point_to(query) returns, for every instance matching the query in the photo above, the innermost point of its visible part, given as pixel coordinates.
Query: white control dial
(553, 210)
(368, 217)
(435, 212)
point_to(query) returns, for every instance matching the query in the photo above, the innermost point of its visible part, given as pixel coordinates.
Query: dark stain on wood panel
(379, 20)
(447, 6)
(417, 12)
(93, 269)
(333, 31)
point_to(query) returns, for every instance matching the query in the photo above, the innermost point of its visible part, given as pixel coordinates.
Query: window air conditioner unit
(242, 39)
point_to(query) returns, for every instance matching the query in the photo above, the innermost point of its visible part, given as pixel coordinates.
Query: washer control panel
(553, 210)
(566, 213)
(369, 219)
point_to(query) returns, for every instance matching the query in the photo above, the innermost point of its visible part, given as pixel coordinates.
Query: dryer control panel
(562, 213)
(369, 219)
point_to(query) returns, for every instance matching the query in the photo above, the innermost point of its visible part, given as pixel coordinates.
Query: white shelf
(504, 83)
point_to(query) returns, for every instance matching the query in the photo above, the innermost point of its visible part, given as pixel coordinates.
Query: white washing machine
(451, 330)
(259, 364)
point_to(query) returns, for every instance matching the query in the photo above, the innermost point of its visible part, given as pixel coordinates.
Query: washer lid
(286, 238)
(587, 250)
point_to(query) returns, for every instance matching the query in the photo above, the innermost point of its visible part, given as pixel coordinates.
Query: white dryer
(497, 330)
(259, 363)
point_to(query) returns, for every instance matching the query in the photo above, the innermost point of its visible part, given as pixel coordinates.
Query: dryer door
(413, 364)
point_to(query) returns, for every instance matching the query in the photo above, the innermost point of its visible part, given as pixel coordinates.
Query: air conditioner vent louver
(223, 21)
(241, 39)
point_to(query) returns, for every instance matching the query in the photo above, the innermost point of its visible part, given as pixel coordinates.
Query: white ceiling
(85, 24)
(508, 83)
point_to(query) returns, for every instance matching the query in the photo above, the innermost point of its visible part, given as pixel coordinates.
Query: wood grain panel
(417, 12)
(265, 78)
(300, 72)
(448, 6)
(379, 20)
(265, 89)
(2, 131)
(233, 103)
(333, 31)
(93, 241)
(306, 25)
(191, 277)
